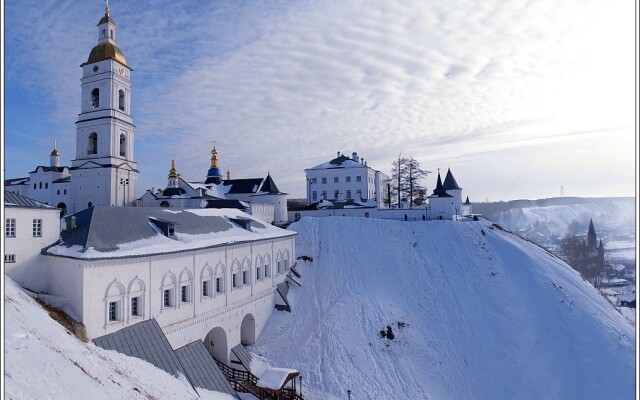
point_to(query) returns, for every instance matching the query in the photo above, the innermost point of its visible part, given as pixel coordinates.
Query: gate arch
(216, 343)
(248, 330)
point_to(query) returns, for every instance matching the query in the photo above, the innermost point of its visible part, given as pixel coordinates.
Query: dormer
(167, 228)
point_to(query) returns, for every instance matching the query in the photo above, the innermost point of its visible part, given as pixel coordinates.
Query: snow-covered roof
(275, 378)
(340, 162)
(114, 232)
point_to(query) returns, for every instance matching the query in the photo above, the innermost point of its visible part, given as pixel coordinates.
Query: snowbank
(477, 313)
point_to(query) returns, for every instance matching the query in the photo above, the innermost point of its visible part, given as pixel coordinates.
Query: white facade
(345, 178)
(27, 231)
(104, 171)
(91, 285)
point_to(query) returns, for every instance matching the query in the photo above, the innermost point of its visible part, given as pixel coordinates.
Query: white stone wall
(369, 186)
(265, 212)
(119, 280)
(29, 270)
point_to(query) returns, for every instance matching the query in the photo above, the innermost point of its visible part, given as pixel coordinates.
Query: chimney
(71, 223)
(354, 156)
(362, 161)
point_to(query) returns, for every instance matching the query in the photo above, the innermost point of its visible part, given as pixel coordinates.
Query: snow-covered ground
(477, 313)
(43, 361)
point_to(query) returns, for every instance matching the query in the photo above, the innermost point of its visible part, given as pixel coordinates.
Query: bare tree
(406, 177)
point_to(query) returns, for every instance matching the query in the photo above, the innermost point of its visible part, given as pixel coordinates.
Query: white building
(203, 274)
(259, 197)
(344, 178)
(103, 172)
(446, 200)
(29, 227)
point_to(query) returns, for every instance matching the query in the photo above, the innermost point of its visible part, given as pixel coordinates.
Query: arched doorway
(216, 342)
(248, 330)
(63, 209)
(164, 204)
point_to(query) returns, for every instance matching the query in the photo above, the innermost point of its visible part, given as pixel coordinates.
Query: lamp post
(349, 393)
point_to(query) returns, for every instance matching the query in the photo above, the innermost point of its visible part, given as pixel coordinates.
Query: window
(185, 296)
(324, 195)
(235, 281)
(111, 33)
(135, 306)
(95, 98)
(359, 194)
(92, 147)
(335, 194)
(113, 311)
(206, 291)
(9, 258)
(40, 185)
(286, 265)
(34, 186)
(219, 288)
(258, 273)
(10, 227)
(37, 228)
(314, 196)
(279, 267)
(58, 191)
(348, 179)
(267, 270)
(121, 100)
(167, 297)
(245, 277)
(324, 180)
(65, 191)
(46, 185)
(358, 178)
(104, 34)
(314, 180)
(348, 194)
(335, 179)
(123, 145)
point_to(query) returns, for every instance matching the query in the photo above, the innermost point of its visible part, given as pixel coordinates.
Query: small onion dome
(54, 153)
(105, 51)
(228, 175)
(106, 18)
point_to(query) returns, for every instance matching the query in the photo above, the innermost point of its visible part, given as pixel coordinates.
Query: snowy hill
(475, 316)
(43, 361)
(545, 220)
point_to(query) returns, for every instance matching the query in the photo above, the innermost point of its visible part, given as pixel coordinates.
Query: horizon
(524, 93)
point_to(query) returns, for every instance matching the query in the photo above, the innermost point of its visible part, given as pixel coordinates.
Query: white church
(201, 271)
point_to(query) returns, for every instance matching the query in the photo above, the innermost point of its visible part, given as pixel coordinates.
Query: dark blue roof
(592, 230)
(439, 191)
(243, 185)
(269, 186)
(174, 191)
(201, 370)
(146, 341)
(450, 182)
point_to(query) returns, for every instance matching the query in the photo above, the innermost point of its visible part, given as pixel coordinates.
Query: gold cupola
(172, 172)
(214, 157)
(228, 175)
(106, 48)
(54, 152)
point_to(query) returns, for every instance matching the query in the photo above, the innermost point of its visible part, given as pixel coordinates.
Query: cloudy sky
(518, 98)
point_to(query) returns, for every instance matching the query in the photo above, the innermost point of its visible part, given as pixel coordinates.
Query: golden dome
(105, 51)
(214, 158)
(173, 173)
(55, 153)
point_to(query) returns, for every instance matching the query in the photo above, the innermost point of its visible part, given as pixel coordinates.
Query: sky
(518, 98)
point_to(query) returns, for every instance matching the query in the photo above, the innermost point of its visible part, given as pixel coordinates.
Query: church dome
(54, 152)
(105, 51)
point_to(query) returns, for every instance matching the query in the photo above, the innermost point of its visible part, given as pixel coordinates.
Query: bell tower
(104, 172)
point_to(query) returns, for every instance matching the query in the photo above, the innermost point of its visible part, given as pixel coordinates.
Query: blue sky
(519, 98)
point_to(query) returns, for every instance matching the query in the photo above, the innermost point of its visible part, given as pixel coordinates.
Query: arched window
(246, 272)
(219, 278)
(186, 285)
(168, 290)
(259, 268)
(164, 204)
(111, 33)
(236, 279)
(104, 33)
(121, 100)
(95, 98)
(92, 147)
(46, 185)
(136, 298)
(206, 279)
(123, 145)
(114, 300)
(40, 185)
(90, 205)
(279, 263)
(267, 266)
(34, 186)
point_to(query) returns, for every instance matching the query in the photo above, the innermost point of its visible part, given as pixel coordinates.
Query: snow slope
(488, 316)
(43, 361)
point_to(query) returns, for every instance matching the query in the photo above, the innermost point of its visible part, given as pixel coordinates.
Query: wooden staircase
(245, 382)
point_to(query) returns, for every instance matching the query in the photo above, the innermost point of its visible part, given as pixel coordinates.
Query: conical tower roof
(450, 182)
(592, 230)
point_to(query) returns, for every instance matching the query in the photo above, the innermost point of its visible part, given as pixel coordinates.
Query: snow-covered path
(488, 316)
